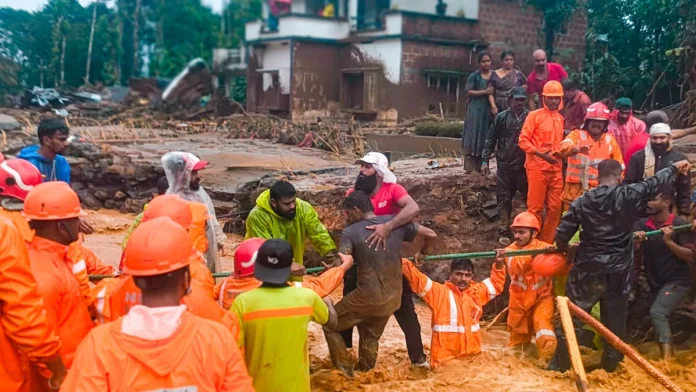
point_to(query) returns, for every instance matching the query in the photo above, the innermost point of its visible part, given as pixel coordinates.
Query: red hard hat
(245, 256)
(597, 111)
(550, 265)
(526, 219)
(18, 177)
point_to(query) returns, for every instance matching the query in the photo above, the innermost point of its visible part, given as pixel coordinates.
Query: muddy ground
(495, 369)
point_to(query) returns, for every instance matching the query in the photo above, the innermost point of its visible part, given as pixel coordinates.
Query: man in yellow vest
(585, 148)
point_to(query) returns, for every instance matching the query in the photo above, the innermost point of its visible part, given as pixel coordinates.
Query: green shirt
(273, 324)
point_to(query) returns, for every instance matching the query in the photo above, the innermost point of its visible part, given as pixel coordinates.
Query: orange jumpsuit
(582, 174)
(60, 291)
(24, 331)
(530, 311)
(543, 132)
(20, 223)
(115, 297)
(200, 354)
(455, 313)
(231, 287)
(83, 262)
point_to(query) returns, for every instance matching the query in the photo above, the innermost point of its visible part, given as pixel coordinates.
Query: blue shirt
(57, 169)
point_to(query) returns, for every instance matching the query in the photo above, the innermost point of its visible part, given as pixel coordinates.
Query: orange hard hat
(245, 256)
(550, 265)
(597, 111)
(552, 89)
(172, 206)
(526, 219)
(157, 247)
(52, 201)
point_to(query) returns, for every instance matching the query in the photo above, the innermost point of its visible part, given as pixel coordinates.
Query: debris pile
(684, 116)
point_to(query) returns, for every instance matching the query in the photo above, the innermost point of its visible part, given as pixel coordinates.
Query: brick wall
(506, 24)
(444, 28)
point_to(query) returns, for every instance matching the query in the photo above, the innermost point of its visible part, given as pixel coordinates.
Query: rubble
(8, 123)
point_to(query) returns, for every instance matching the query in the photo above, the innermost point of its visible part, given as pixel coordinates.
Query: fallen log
(572, 341)
(623, 347)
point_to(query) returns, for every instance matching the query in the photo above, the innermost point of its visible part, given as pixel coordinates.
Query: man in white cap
(388, 198)
(657, 155)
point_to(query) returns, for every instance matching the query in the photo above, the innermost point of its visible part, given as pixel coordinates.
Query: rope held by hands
(452, 256)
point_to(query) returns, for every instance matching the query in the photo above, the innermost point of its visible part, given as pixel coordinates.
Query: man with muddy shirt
(379, 281)
(388, 198)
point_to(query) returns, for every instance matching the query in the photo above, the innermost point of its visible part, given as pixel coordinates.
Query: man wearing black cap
(511, 176)
(273, 320)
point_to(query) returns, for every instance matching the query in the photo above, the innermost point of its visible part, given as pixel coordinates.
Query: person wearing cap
(657, 155)
(53, 210)
(530, 311)
(243, 279)
(510, 176)
(279, 213)
(26, 337)
(181, 170)
(274, 319)
(623, 125)
(540, 139)
(585, 148)
(575, 104)
(158, 345)
(380, 282)
(639, 140)
(601, 269)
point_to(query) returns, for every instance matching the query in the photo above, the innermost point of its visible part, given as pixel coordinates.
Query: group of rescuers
(162, 323)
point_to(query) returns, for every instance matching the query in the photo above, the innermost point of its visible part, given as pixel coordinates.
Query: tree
(556, 15)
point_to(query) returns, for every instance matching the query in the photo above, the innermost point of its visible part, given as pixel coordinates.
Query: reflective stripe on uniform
(275, 313)
(491, 290)
(297, 284)
(100, 304)
(221, 295)
(544, 332)
(453, 309)
(79, 267)
(428, 286)
(453, 326)
(518, 283)
(540, 284)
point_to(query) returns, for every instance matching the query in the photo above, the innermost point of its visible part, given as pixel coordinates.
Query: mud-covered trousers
(369, 329)
(509, 181)
(405, 316)
(585, 288)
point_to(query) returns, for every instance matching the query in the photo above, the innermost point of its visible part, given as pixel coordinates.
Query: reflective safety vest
(455, 313)
(582, 168)
(526, 287)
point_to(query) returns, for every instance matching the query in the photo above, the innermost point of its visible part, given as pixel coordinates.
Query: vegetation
(437, 128)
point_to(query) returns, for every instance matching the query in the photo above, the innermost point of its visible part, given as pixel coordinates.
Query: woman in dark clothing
(478, 113)
(504, 79)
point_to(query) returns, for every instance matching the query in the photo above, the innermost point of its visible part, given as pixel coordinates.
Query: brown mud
(496, 368)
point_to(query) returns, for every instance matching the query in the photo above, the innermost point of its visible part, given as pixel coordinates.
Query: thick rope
(452, 256)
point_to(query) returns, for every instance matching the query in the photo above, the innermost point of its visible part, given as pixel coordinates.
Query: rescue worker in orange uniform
(17, 178)
(243, 279)
(159, 345)
(540, 139)
(585, 148)
(25, 334)
(455, 330)
(53, 210)
(530, 311)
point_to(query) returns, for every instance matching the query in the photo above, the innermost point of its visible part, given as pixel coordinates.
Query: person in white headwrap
(658, 154)
(181, 169)
(388, 198)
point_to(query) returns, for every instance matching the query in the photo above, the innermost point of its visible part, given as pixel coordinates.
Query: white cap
(660, 129)
(380, 163)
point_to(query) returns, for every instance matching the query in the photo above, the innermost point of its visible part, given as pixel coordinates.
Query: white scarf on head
(384, 172)
(656, 129)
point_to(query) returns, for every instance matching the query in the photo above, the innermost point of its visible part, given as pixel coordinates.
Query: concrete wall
(316, 81)
(276, 57)
(507, 24)
(470, 8)
(384, 52)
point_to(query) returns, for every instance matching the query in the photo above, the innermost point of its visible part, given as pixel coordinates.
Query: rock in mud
(8, 123)
(101, 194)
(119, 195)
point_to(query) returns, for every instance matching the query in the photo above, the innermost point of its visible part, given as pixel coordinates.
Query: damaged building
(386, 60)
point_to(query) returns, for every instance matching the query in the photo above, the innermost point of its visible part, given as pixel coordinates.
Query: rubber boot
(667, 351)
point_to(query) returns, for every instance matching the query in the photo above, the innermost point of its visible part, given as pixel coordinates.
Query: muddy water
(496, 369)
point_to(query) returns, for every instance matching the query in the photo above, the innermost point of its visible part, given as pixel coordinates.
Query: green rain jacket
(263, 222)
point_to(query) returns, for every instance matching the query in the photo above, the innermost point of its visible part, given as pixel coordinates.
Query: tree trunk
(549, 38)
(159, 39)
(91, 41)
(62, 62)
(55, 52)
(136, 40)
